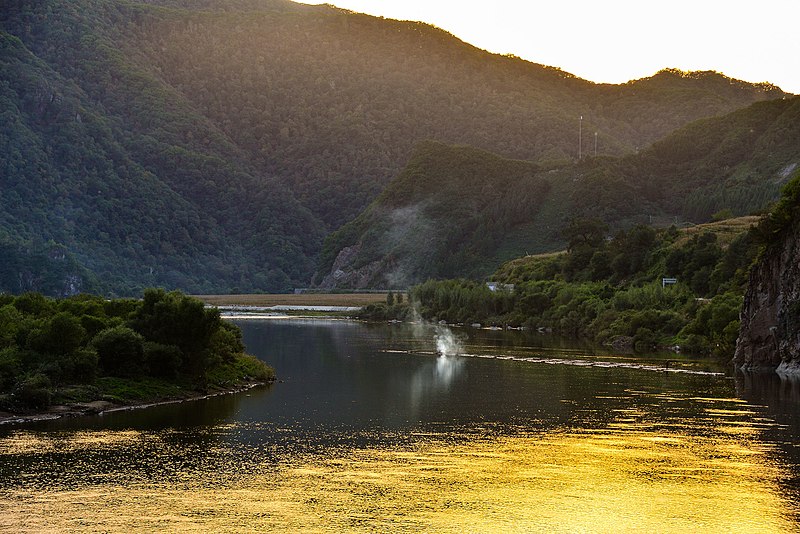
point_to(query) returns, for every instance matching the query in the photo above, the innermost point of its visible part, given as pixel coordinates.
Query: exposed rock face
(343, 275)
(769, 338)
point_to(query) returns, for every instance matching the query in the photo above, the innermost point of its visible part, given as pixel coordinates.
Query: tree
(588, 232)
(176, 319)
(120, 351)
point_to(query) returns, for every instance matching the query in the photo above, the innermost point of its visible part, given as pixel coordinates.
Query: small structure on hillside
(499, 286)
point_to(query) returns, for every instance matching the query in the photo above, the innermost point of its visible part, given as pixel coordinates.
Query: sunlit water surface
(372, 431)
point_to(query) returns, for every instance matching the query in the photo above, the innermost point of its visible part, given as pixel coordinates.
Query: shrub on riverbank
(86, 346)
(610, 290)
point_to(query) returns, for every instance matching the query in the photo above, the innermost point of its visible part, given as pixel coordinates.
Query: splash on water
(447, 344)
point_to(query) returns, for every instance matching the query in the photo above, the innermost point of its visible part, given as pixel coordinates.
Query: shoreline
(100, 407)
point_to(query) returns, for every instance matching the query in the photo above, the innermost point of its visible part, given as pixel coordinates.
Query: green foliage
(120, 351)
(384, 312)
(51, 347)
(718, 321)
(163, 361)
(210, 145)
(782, 216)
(176, 319)
(34, 391)
(695, 262)
(618, 296)
(721, 215)
(583, 233)
(60, 334)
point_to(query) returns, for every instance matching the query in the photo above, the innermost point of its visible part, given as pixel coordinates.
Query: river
(371, 429)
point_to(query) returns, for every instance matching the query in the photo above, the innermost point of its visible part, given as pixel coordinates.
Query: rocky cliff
(769, 337)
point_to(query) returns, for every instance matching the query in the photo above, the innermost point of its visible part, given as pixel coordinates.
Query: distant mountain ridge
(474, 212)
(210, 146)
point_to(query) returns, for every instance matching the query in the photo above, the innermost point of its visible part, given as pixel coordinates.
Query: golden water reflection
(617, 479)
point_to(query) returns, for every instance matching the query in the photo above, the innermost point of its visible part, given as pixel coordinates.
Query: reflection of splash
(431, 379)
(434, 378)
(447, 368)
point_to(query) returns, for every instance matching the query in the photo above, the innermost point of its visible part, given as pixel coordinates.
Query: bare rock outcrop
(769, 337)
(344, 275)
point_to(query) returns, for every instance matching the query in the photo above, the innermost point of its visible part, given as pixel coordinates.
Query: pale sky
(619, 40)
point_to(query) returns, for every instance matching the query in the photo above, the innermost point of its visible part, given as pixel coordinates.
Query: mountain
(100, 157)
(210, 146)
(736, 162)
(333, 102)
(442, 216)
(460, 212)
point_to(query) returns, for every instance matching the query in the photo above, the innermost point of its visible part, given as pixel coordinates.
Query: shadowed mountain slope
(460, 212)
(210, 145)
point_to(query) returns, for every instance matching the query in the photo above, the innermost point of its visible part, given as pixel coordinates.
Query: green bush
(75, 344)
(162, 361)
(120, 351)
(34, 391)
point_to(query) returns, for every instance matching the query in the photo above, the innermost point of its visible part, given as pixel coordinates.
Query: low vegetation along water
(373, 429)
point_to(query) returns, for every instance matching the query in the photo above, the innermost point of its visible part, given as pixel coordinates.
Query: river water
(371, 430)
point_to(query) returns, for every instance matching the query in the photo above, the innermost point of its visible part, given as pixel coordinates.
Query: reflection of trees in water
(157, 444)
(780, 393)
(432, 379)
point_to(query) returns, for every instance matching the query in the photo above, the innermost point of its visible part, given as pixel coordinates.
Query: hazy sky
(619, 40)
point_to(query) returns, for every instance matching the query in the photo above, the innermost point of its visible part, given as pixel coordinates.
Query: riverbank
(348, 300)
(103, 406)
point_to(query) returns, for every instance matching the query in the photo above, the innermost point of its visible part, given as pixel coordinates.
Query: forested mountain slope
(334, 101)
(443, 216)
(460, 212)
(210, 145)
(99, 156)
(736, 162)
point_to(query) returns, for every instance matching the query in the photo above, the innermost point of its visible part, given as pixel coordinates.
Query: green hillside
(210, 146)
(333, 102)
(139, 188)
(734, 164)
(442, 216)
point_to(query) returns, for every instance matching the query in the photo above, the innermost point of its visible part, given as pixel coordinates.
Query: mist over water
(447, 344)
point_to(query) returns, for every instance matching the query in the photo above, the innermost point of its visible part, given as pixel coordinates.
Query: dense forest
(609, 288)
(442, 216)
(461, 212)
(87, 348)
(334, 101)
(210, 146)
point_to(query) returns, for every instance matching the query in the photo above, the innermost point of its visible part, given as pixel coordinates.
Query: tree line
(607, 289)
(86, 347)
